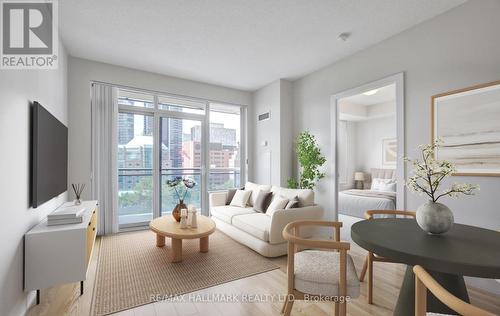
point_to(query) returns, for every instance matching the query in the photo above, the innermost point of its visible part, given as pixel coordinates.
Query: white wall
(360, 147)
(437, 56)
(347, 154)
(286, 132)
(457, 49)
(276, 132)
(82, 72)
(266, 99)
(18, 89)
(369, 136)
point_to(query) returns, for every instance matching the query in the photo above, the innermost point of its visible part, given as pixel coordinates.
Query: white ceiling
(236, 43)
(361, 107)
(383, 95)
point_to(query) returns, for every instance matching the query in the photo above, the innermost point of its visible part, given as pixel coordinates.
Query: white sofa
(259, 231)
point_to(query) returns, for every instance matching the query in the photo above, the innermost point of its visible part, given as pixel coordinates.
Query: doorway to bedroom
(369, 146)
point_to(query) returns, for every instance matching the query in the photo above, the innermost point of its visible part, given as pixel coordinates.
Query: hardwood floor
(65, 300)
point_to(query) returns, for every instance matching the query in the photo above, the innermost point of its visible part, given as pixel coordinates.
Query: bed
(355, 202)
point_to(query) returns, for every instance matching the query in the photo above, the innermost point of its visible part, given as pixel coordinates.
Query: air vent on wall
(264, 116)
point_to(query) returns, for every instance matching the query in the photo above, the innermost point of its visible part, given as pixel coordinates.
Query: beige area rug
(131, 268)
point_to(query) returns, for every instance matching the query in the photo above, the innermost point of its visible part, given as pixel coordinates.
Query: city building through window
(161, 138)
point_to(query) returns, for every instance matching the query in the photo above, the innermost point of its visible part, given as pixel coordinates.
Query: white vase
(194, 219)
(434, 218)
(184, 216)
(189, 217)
(184, 222)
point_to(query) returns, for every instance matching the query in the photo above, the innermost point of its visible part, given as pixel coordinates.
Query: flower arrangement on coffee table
(174, 183)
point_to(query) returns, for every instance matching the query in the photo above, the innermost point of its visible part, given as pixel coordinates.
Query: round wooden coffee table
(166, 226)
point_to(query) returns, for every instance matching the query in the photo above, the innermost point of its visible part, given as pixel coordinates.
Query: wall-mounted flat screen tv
(49, 156)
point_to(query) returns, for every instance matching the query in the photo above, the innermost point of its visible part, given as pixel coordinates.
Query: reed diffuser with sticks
(78, 189)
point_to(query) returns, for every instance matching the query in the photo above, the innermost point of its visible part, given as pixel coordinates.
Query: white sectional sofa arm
(282, 217)
(217, 198)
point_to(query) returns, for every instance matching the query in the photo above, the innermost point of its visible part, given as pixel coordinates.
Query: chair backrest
(291, 233)
(424, 281)
(370, 214)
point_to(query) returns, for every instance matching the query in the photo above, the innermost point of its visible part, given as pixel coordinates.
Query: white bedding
(357, 202)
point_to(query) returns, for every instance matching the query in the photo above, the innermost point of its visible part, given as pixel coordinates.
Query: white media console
(59, 254)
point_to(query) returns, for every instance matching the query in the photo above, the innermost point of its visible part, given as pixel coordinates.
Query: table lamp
(359, 177)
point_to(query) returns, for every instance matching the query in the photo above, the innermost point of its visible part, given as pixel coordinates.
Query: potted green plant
(174, 183)
(429, 173)
(310, 160)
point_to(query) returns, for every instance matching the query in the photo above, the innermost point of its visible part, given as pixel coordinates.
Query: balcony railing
(135, 190)
(135, 195)
(223, 179)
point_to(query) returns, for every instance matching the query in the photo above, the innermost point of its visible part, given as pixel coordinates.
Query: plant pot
(176, 212)
(434, 218)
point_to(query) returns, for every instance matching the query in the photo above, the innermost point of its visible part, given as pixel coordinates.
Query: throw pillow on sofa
(293, 203)
(255, 188)
(278, 203)
(230, 195)
(240, 198)
(262, 202)
(306, 196)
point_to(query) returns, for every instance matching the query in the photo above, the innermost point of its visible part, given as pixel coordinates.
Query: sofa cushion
(317, 272)
(255, 188)
(227, 212)
(256, 224)
(278, 203)
(262, 202)
(293, 203)
(230, 195)
(240, 198)
(306, 196)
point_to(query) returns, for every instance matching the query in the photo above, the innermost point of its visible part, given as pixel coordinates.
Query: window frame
(159, 113)
(243, 168)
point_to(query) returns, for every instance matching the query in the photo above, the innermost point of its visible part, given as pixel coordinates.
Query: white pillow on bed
(386, 185)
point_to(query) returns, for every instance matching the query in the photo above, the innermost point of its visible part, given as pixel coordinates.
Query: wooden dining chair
(319, 274)
(371, 257)
(424, 281)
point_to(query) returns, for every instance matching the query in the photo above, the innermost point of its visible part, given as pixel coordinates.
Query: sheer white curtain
(104, 179)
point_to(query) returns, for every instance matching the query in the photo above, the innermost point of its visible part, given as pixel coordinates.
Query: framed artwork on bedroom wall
(468, 123)
(389, 152)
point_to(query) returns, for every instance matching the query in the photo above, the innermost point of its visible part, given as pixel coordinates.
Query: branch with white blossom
(430, 172)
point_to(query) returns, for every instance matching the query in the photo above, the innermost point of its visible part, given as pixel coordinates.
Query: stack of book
(66, 215)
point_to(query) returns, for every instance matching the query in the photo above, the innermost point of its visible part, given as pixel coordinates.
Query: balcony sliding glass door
(135, 164)
(162, 138)
(182, 158)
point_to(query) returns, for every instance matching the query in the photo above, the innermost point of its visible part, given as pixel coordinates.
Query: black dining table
(462, 251)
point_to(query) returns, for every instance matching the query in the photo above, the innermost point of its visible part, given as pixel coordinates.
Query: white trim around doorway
(398, 80)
